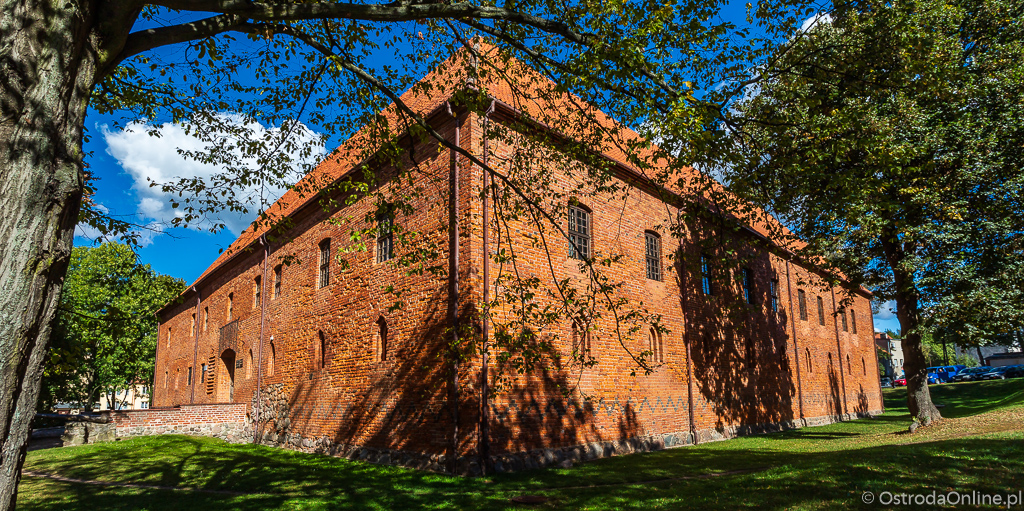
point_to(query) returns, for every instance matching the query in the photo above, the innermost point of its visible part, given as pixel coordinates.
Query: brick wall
(225, 421)
(753, 369)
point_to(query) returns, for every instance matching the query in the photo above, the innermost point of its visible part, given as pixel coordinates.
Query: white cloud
(152, 153)
(821, 18)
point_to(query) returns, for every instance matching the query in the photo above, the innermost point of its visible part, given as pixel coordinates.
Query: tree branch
(145, 40)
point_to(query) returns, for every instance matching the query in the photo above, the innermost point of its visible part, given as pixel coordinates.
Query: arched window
(321, 351)
(849, 369)
(580, 337)
(270, 360)
(168, 337)
(842, 318)
(821, 311)
(747, 281)
(206, 317)
(801, 298)
(656, 345)
(706, 284)
(382, 339)
(853, 320)
(807, 358)
(863, 366)
(277, 281)
(579, 233)
(385, 237)
(257, 287)
(231, 305)
(248, 366)
(192, 331)
(652, 252)
(325, 263)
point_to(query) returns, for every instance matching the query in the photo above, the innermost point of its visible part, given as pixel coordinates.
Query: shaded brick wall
(750, 372)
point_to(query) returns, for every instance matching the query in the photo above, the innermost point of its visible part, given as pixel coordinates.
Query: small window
(652, 249)
(385, 237)
(821, 311)
(320, 360)
(842, 318)
(168, 337)
(270, 360)
(656, 345)
(256, 288)
(382, 339)
(248, 366)
(325, 263)
(849, 368)
(144, 405)
(579, 233)
(231, 305)
(705, 276)
(802, 299)
(177, 378)
(277, 281)
(774, 289)
(192, 330)
(202, 374)
(189, 380)
(166, 379)
(747, 280)
(853, 320)
(807, 358)
(863, 366)
(580, 337)
(206, 317)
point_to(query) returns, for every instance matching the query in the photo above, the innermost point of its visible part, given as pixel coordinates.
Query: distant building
(893, 349)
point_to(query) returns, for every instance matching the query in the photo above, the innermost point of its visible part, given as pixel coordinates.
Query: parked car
(945, 374)
(1003, 372)
(886, 382)
(902, 381)
(971, 373)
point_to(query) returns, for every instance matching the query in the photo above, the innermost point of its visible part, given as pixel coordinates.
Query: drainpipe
(259, 351)
(484, 449)
(839, 350)
(686, 343)
(796, 348)
(195, 355)
(453, 290)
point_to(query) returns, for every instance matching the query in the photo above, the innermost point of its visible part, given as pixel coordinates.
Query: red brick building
(301, 326)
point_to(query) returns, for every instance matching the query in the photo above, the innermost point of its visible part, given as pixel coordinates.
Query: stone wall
(224, 421)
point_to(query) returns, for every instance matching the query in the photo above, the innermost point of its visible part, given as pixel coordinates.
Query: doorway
(228, 360)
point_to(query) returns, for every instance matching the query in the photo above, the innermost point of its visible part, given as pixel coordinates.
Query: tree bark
(47, 64)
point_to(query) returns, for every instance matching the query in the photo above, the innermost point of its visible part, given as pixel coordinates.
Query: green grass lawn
(977, 448)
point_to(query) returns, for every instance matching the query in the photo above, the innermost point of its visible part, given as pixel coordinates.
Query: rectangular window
(385, 238)
(206, 317)
(231, 305)
(192, 332)
(257, 287)
(705, 276)
(277, 281)
(821, 311)
(853, 320)
(842, 314)
(202, 374)
(652, 248)
(802, 299)
(144, 405)
(579, 233)
(325, 263)
(190, 376)
(775, 294)
(747, 279)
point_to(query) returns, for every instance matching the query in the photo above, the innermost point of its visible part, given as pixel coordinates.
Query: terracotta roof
(518, 87)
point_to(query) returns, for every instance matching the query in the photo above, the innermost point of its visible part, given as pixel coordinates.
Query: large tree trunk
(919, 399)
(47, 69)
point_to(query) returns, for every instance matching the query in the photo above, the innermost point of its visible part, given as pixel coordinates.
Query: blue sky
(122, 156)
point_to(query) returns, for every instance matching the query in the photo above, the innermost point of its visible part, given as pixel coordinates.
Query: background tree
(889, 136)
(106, 333)
(286, 65)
